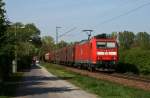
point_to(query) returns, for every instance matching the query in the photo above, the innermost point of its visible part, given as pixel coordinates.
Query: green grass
(8, 88)
(104, 89)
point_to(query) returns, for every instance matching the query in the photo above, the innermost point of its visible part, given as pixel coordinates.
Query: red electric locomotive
(98, 52)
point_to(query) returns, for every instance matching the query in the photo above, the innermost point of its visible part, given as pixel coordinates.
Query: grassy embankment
(8, 88)
(101, 88)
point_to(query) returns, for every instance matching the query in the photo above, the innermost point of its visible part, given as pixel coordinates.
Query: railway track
(123, 79)
(125, 76)
(132, 77)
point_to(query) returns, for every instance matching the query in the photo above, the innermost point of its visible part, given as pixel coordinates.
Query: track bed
(127, 80)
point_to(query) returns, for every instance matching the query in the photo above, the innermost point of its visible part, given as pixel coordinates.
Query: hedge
(134, 60)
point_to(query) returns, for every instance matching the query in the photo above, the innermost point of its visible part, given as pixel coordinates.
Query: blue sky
(82, 14)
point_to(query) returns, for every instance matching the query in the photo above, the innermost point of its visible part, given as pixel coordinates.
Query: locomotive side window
(101, 44)
(111, 44)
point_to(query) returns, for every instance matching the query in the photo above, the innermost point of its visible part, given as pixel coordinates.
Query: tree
(15, 39)
(62, 44)
(24, 39)
(126, 39)
(114, 35)
(3, 21)
(143, 40)
(24, 32)
(47, 45)
(3, 40)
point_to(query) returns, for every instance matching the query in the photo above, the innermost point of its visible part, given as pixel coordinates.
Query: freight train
(99, 52)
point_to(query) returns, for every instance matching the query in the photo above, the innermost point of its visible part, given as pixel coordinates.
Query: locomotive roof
(106, 39)
(83, 41)
(100, 37)
(103, 36)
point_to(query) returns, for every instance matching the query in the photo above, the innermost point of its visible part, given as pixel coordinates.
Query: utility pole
(57, 34)
(88, 33)
(14, 62)
(57, 40)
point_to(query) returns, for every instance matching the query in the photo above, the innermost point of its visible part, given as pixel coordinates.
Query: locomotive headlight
(112, 53)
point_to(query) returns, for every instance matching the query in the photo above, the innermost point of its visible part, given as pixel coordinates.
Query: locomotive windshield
(106, 44)
(111, 45)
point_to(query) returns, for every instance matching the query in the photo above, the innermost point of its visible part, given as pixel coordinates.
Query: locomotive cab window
(106, 44)
(101, 45)
(111, 44)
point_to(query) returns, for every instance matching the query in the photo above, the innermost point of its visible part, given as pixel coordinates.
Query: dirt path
(39, 83)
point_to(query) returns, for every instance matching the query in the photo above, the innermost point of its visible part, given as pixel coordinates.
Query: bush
(24, 62)
(5, 67)
(135, 60)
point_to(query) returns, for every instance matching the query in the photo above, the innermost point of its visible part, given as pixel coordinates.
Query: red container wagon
(57, 56)
(62, 55)
(70, 53)
(97, 53)
(83, 53)
(53, 57)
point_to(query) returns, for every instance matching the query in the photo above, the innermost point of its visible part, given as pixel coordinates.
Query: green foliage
(47, 45)
(126, 39)
(134, 52)
(23, 32)
(25, 48)
(62, 44)
(114, 34)
(3, 21)
(101, 88)
(8, 89)
(143, 40)
(135, 60)
(20, 40)
(26, 40)
(3, 51)
(48, 41)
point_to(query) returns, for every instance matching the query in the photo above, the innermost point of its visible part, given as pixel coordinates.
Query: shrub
(135, 60)
(24, 62)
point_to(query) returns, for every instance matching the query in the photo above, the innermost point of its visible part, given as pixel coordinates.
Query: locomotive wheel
(80, 66)
(91, 68)
(88, 67)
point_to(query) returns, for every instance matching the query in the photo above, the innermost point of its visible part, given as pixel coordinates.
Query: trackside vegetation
(135, 60)
(103, 89)
(134, 51)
